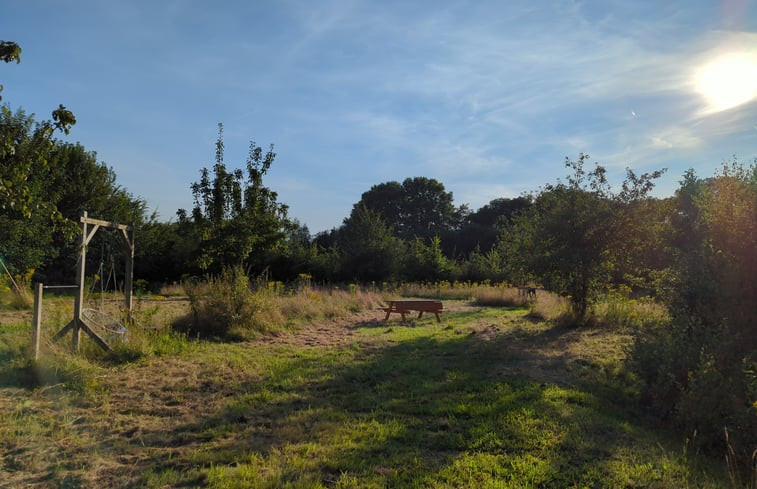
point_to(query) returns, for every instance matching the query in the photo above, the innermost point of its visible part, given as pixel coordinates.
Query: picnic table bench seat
(403, 307)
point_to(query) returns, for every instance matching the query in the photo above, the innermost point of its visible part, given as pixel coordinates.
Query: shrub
(222, 305)
(698, 370)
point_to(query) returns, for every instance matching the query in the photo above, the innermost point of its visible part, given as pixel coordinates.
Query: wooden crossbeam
(105, 224)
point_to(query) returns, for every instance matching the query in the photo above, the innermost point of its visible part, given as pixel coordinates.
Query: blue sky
(488, 97)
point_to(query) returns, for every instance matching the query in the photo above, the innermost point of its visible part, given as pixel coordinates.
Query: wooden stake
(37, 320)
(80, 267)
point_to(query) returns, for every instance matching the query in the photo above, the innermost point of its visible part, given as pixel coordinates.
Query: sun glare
(728, 81)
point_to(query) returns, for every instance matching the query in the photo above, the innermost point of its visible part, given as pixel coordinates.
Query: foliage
(234, 213)
(221, 306)
(418, 208)
(479, 230)
(24, 147)
(699, 370)
(483, 266)
(568, 238)
(369, 249)
(426, 261)
(10, 51)
(162, 255)
(28, 215)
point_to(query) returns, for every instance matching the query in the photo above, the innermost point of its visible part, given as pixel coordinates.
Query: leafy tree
(368, 247)
(26, 212)
(235, 215)
(293, 256)
(642, 256)
(426, 261)
(699, 370)
(480, 267)
(161, 255)
(25, 236)
(75, 182)
(418, 208)
(568, 237)
(480, 229)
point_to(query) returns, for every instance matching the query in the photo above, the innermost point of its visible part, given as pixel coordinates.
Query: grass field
(491, 397)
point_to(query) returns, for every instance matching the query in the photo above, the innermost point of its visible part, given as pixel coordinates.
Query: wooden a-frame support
(78, 323)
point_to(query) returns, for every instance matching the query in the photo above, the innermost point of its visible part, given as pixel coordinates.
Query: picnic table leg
(403, 315)
(420, 314)
(387, 314)
(438, 319)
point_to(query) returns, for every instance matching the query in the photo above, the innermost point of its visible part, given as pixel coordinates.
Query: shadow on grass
(16, 369)
(434, 410)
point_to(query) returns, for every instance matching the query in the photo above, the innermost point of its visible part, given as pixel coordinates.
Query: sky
(489, 97)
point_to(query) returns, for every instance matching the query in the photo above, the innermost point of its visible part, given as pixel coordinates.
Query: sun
(728, 81)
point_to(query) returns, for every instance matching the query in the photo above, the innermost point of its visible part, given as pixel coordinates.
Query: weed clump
(222, 306)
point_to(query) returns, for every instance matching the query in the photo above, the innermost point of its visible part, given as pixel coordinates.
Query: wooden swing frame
(78, 324)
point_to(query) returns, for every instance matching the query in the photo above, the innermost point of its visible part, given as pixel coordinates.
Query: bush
(698, 370)
(222, 306)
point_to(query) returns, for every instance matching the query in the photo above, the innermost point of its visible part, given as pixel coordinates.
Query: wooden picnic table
(403, 307)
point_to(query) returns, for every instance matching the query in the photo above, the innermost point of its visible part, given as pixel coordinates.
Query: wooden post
(128, 236)
(37, 319)
(80, 267)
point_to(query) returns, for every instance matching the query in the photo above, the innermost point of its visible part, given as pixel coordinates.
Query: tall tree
(234, 214)
(480, 229)
(568, 237)
(24, 147)
(369, 249)
(26, 212)
(75, 182)
(699, 369)
(420, 207)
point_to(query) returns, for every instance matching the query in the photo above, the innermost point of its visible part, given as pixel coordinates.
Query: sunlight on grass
(491, 397)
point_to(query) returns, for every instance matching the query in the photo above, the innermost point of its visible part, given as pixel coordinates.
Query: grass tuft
(500, 296)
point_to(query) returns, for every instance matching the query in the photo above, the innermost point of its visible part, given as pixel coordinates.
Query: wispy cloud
(487, 96)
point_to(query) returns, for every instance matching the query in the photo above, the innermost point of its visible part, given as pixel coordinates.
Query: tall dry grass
(230, 306)
(500, 296)
(617, 310)
(437, 290)
(548, 306)
(308, 304)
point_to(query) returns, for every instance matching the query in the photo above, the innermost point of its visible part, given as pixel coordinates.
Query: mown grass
(489, 398)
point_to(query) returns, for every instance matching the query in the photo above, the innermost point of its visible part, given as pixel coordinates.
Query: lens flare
(728, 81)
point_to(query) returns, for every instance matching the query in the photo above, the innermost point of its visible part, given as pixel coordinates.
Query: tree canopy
(419, 207)
(569, 238)
(234, 214)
